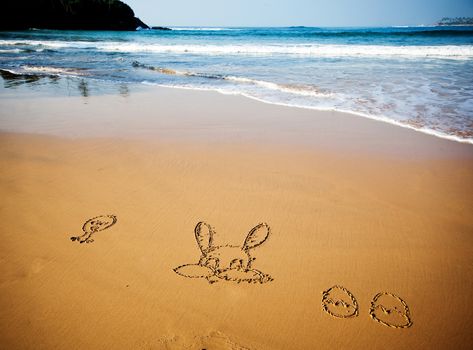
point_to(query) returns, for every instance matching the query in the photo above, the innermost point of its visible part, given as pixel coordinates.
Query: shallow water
(420, 77)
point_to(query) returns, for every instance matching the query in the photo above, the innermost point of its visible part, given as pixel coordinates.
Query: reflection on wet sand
(12, 80)
(123, 90)
(68, 86)
(83, 87)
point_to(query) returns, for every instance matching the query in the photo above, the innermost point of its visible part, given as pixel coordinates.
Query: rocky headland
(68, 14)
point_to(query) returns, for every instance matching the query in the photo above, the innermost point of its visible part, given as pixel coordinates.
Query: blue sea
(417, 77)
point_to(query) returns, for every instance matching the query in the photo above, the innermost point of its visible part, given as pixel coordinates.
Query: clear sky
(297, 12)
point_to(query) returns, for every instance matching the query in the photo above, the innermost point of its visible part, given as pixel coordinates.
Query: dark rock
(68, 14)
(140, 24)
(161, 28)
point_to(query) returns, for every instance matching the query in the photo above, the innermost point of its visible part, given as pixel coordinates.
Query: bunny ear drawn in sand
(204, 235)
(257, 236)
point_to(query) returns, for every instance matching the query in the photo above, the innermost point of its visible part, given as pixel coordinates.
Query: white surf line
(358, 114)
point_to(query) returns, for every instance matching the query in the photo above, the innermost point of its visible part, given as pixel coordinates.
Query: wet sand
(348, 201)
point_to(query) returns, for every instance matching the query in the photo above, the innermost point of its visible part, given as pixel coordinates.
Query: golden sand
(366, 242)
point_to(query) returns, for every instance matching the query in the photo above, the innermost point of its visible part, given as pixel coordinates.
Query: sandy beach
(345, 201)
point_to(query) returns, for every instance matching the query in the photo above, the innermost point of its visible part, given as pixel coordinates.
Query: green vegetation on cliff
(457, 21)
(68, 14)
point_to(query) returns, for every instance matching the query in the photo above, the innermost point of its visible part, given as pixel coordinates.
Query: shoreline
(383, 119)
(144, 87)
(146, 84)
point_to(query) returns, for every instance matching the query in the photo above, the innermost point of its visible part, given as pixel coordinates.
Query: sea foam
(319, 50)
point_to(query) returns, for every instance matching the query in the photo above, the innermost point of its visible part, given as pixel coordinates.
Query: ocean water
(417, 77)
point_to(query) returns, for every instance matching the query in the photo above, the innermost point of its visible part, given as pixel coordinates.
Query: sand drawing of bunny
(226, 262)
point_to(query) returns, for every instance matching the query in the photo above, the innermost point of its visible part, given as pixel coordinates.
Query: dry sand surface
(348, 202)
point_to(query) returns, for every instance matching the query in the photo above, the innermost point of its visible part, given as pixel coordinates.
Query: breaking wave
(298, 89)
(315, 50)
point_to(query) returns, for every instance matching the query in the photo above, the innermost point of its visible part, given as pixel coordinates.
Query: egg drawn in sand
(390, 310)
(338, 301)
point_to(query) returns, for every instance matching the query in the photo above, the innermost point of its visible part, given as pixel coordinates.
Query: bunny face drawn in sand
(390, 310)
(227, 262)
(93, 225)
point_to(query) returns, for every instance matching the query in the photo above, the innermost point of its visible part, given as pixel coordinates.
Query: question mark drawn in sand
(99, 223)
(226, 262)
(339, 302)
(390, 310)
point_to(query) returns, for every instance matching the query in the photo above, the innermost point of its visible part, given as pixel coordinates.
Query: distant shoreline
(454, 25)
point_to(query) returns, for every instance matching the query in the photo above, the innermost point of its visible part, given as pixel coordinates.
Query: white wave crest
(202, 28)
(297, 89)
(447, 51)
(10, 50)
(459, 52)
(51, 70)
